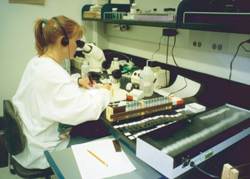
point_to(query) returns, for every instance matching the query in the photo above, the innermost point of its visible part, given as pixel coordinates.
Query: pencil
(97, 158)
(90, 79)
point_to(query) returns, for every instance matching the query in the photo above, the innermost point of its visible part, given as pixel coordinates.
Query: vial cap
(133, 5)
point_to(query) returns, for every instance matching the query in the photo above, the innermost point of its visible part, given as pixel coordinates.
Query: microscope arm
(93, 54)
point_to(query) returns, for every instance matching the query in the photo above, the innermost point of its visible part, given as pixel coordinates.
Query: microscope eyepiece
(117, 74)
(80, 43)
(106, 65)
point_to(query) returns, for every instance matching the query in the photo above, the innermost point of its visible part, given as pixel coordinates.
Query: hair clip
(44, 22)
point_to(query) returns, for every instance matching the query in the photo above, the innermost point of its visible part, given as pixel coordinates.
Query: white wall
(17, 45)
(17, 41)
(143, 41)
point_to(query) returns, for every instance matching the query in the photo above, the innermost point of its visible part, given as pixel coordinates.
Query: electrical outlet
(209, 41)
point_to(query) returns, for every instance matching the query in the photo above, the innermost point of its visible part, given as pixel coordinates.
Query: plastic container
(146, 81)
(85, 69)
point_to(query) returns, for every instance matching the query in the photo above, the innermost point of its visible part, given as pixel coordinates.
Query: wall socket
(209, 41)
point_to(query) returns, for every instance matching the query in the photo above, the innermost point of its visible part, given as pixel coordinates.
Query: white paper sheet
(92, 168)
(118, 95)
(190, 90)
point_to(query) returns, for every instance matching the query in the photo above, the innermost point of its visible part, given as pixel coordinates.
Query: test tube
(154, 101)
(165, 100)
(133, 106)
(145, 103)
(127, 108)
(162, 100)
(149, 102)
(139, 105)
(158, 101)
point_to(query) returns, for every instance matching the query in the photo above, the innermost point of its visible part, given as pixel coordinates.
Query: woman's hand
(86, 83)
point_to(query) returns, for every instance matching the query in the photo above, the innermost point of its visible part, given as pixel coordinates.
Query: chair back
(15, 139)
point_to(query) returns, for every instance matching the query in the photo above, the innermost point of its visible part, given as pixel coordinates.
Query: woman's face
(72, 46)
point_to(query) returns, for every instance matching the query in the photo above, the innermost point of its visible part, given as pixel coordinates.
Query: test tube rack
(119, 113)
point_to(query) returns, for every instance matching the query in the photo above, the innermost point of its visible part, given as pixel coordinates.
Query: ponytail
(40, 41)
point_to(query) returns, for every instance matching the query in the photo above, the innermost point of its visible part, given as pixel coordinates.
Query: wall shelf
(124, 8)
(243, 28)
(142, 23)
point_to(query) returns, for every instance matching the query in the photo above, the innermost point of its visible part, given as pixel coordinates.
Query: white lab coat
(46, 96)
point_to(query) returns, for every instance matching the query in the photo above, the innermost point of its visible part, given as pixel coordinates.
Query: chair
(15, 143)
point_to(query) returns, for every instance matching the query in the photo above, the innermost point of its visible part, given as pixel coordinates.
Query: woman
(47, 95)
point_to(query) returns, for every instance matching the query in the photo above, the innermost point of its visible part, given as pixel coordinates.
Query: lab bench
(214, 92)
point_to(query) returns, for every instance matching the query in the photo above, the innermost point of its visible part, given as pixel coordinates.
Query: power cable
(208, 174)
(172, 52)
(231, 63)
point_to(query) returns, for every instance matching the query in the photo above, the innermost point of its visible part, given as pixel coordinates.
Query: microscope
(92, 54)
(97, 64)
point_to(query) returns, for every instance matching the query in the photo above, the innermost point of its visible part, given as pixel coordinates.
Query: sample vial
(128, 107)
(85, 69)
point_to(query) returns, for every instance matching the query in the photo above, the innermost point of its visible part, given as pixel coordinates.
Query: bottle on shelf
(133, 8)
(170, 12)
(115, 13)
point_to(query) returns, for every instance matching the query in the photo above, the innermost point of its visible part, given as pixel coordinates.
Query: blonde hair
(47, 31)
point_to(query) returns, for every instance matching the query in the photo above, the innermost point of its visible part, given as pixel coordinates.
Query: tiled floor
(5, 174)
